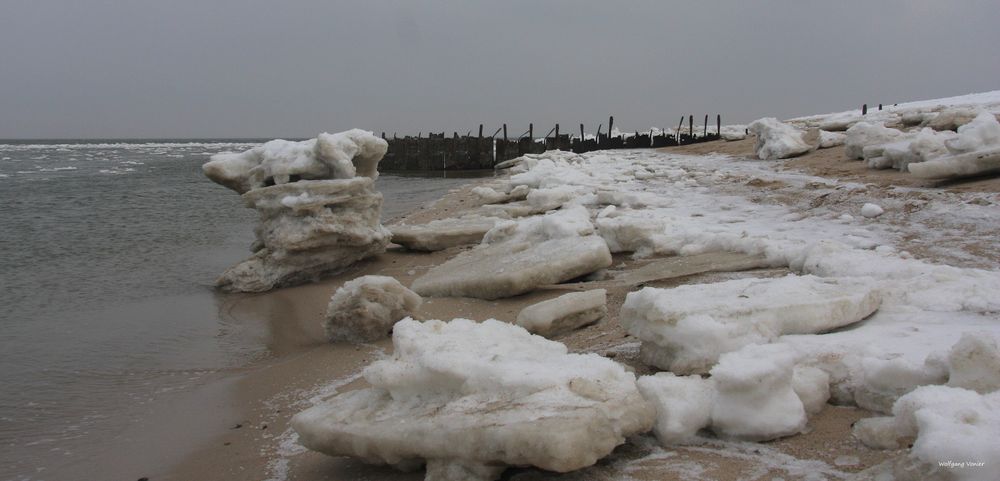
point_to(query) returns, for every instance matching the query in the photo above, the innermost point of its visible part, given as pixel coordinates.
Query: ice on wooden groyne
(318, 209)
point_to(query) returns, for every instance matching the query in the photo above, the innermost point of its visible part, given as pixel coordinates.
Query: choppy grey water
(107, 255)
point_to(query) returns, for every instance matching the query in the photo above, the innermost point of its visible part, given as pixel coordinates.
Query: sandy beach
(257, 442)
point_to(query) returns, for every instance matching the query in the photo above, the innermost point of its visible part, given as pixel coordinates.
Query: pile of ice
(319, 211)
(685, 329)
(756, 393)
(564, 313)
(364, 309)
(468, 400)
(518, 256)
(953, 427)
(777, 140)
(733, 132)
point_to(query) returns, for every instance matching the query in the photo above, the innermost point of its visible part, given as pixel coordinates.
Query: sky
(266, 68)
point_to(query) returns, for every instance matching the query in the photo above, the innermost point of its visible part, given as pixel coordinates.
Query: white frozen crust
(364, 309)
(442, 233)
(480, 394)
(329, 156)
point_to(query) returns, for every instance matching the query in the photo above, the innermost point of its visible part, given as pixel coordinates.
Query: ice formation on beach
(686, 329)
(974, 150)
(364, 309)
(777, 140)
(318, 209)
(564, 313)
(441, 234)
(831, 139)
(468, 400)
(864, 134)
(518, 256)
(871, 211)
(683, 405)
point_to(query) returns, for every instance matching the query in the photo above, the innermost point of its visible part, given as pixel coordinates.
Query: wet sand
(262, 400)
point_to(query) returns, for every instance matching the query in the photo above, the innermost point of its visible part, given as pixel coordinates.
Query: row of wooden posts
(439, 152)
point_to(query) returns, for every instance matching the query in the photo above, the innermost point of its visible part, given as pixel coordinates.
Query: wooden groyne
(467, 152)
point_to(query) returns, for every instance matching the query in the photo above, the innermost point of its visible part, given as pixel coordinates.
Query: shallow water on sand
(109, 251)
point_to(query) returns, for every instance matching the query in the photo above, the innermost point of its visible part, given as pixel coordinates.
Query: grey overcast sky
(267, 68)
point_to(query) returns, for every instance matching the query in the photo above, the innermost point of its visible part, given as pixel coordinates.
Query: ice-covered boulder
(518, 256)
(864, 134)
(755, 399)
(442, 233)
(364, 309)
(685, 329)
(470, 399)
(776, 140)
(318, 209)
(683, 405)
(564, 313)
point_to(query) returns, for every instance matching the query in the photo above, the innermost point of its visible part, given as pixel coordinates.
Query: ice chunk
(329, 156)
(812, 385)
(983, 132)
(882, 381)
(974, 363)
(776, 140)
(863, 134)
(687, 328)
(831, 139)
(507, 269)
(956, 166)
(955, 431)
(734, 132)
(631, 234)
(442, 233)
(488, 195)
(569, 222)
(754, 395)
(871, 211)
(470, 399)
(564, 313)
(309, 229)
(364, 309)
(952, 118)
(683, 405)
(553, 197)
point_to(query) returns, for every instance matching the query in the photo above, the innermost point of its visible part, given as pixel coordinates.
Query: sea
(108, 253)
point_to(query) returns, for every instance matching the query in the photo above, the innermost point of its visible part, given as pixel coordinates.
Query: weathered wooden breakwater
(483, 151)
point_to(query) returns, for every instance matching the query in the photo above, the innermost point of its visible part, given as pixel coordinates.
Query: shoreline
(311, 369)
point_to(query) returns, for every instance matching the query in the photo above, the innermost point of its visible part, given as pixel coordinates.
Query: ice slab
(687, 328)
(683, 405)
(957, 166)
(471, 399)
(864, 134)
(443, 233)
(510, 268)
(564, 313)
(364, 309)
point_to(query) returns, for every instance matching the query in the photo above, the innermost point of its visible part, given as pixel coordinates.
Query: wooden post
(531, 132)
(383, 135)
(691, 126)
(864, 109)
(480, 131)
(677, 134)
(718, 125)
(581, 133)
(611, 124)
(599, 130)
(505, 132)
(557, 135)
(880, 107)
(705, 133)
